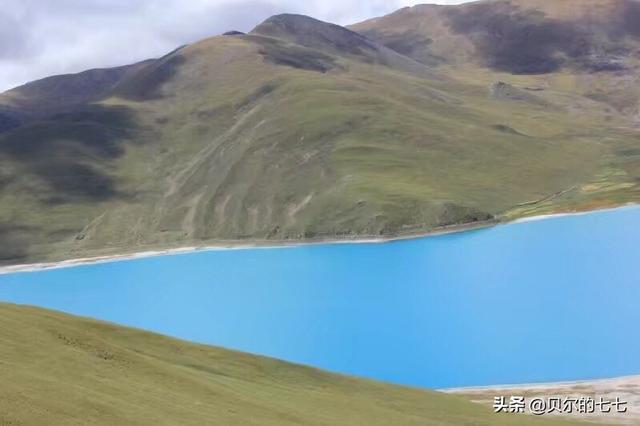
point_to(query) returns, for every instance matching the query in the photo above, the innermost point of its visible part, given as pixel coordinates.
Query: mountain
(305, 31)
(592, 39)
(517, 36)
(42, 98)
(431, 118)
(64, 370)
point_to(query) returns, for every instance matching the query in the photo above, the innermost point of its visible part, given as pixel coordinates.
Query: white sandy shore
(616, 381)
(170, 251)
(625, 388)
(576, 213)
(31, 267)
(267, 245)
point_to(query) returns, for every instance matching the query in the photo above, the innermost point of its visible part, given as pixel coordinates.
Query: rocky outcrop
(506, 92)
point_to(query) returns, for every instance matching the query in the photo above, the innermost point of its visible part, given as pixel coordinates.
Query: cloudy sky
(44, 37)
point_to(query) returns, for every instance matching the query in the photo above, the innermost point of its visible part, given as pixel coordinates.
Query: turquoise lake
(557, 299)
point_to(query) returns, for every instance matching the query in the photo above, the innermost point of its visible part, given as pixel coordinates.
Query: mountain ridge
(285, 134)
(523, 36)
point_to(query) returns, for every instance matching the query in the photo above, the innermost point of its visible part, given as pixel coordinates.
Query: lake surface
(557, 299)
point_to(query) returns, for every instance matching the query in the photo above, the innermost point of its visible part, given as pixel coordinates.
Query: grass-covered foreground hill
(427, 118)
(56, 369)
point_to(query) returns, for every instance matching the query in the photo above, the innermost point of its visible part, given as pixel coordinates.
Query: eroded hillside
(306, 130)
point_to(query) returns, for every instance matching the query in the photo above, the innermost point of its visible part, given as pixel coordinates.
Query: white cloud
(43, 37)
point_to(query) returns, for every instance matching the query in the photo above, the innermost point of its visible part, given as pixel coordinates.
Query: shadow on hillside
(71, 152)
(14, 247)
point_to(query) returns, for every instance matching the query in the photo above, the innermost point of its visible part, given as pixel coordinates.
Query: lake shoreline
(541, 385)
(625, 388)
(268, 244)
(306, 304)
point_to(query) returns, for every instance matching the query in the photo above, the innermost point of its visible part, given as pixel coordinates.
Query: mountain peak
(313, 33)
(334, 39)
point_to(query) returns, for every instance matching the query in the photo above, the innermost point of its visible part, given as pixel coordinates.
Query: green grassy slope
(63, 370)
(304, 130)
